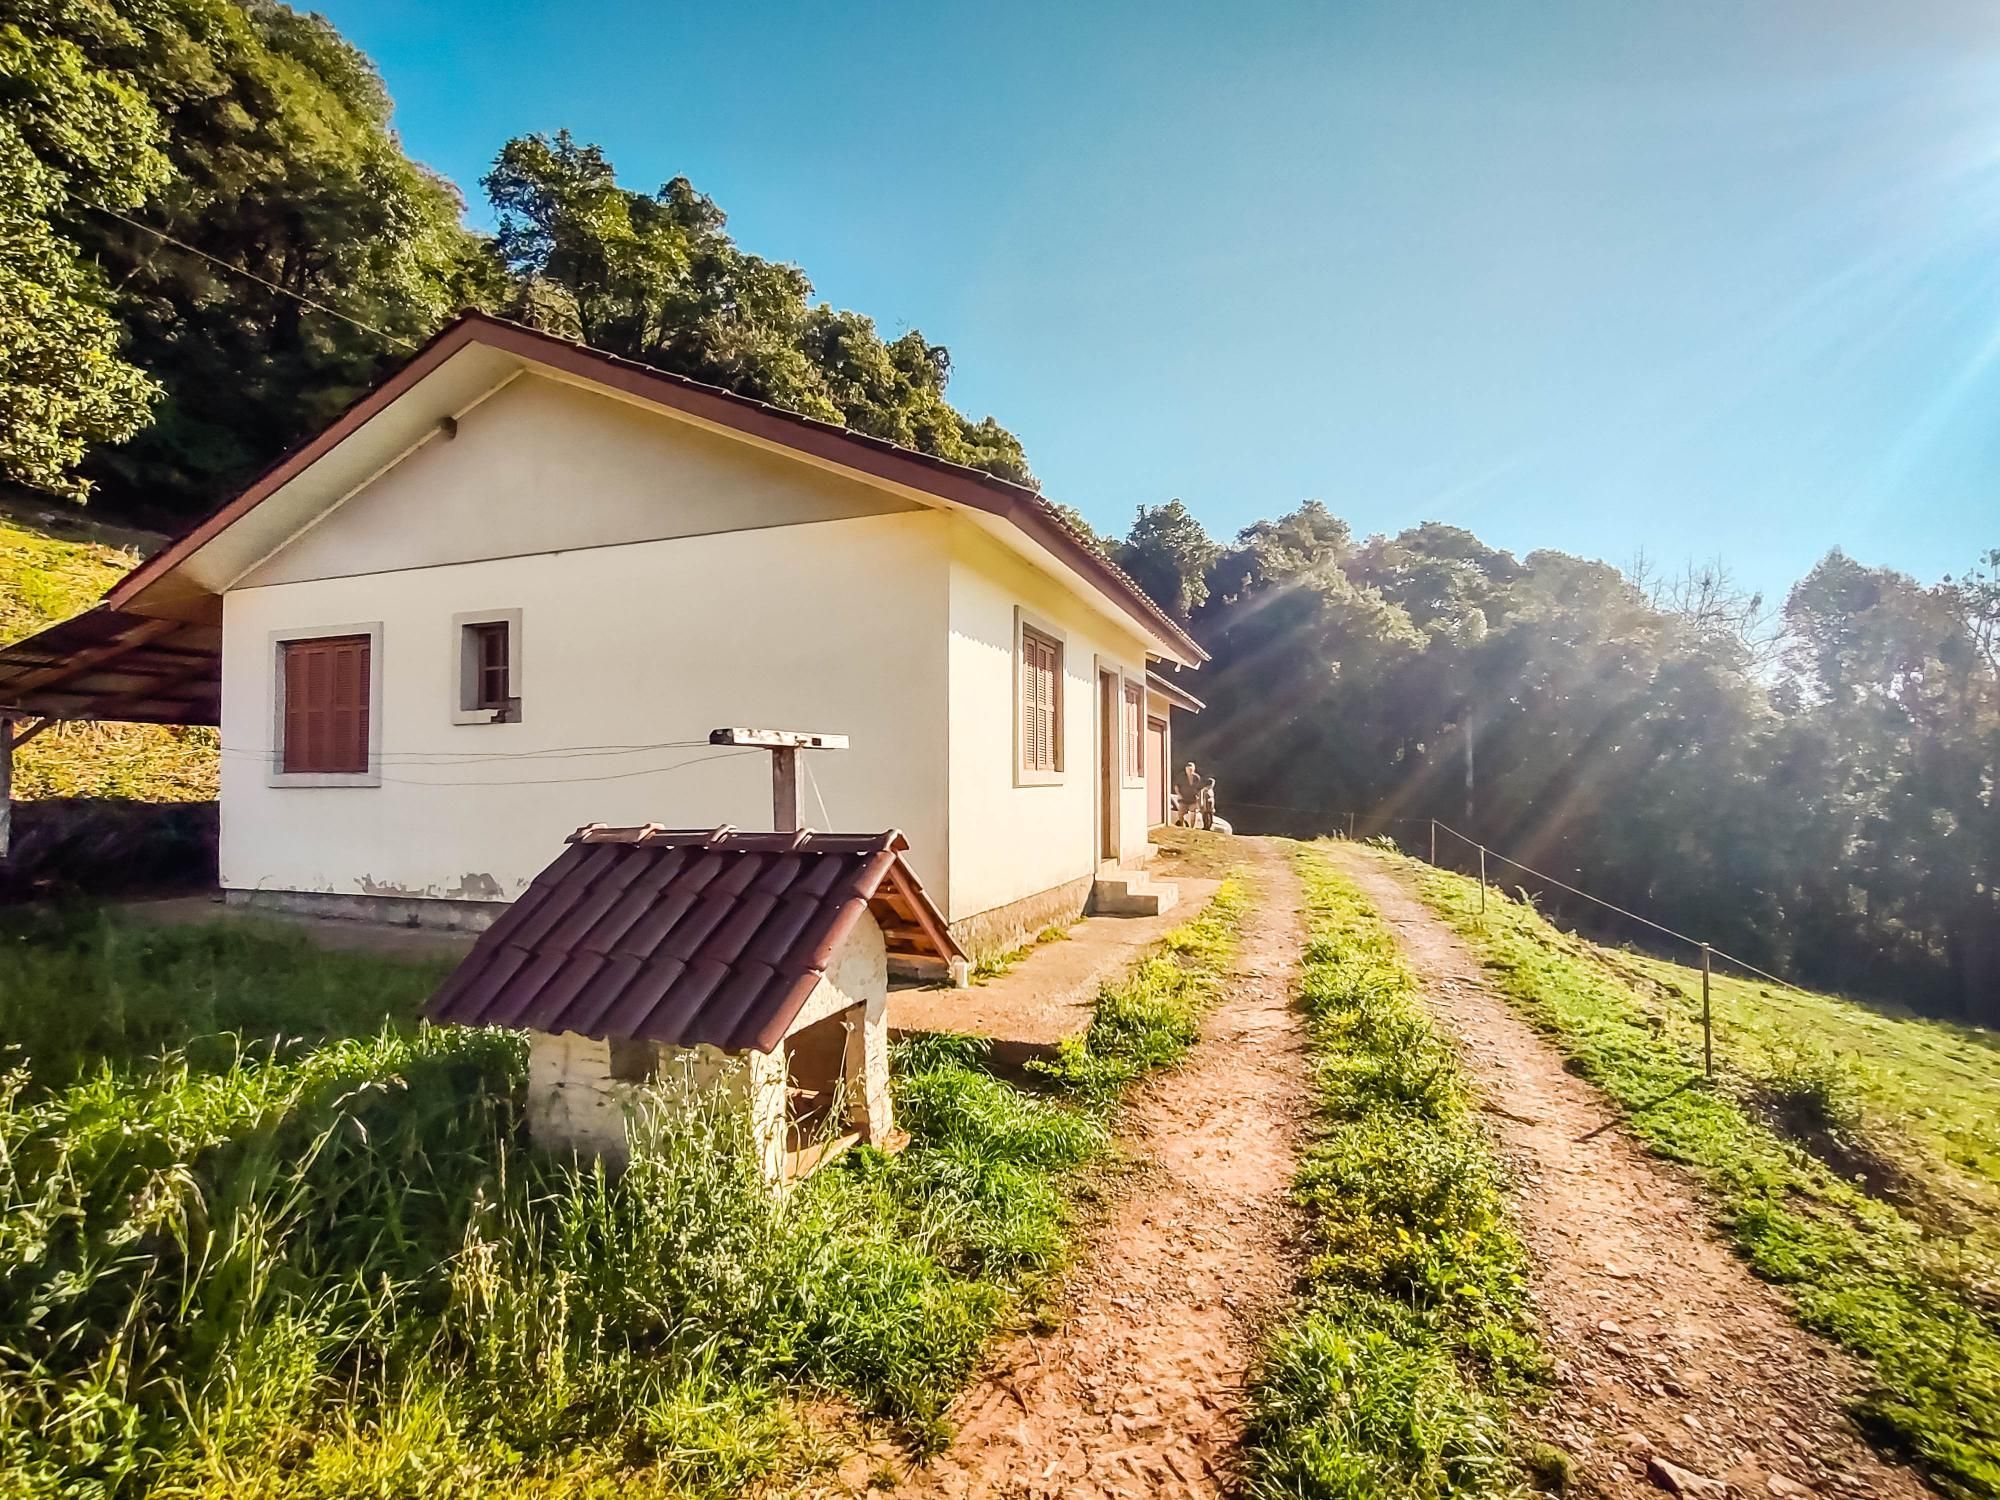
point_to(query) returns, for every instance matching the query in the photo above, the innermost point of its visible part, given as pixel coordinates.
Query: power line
(282, 291)
(825, 818)
(1727, 957)
(446, 759)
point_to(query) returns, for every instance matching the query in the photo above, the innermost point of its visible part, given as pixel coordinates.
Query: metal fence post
(1482, 880)
(1707, 1023)
(1350, 828)
(1434, 841)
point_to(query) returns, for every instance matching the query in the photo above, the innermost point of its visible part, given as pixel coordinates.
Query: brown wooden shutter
(1134, 728)
(326, 687)
(1041, 703)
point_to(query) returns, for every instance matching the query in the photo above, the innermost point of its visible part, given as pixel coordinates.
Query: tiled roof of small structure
(687, 936)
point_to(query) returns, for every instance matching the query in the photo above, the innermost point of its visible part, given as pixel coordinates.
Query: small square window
(489, 668)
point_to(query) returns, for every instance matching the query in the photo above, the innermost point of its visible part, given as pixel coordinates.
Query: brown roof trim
(1173, 692)
(849, 449)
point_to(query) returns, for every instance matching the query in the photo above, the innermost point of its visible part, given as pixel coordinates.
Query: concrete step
(1132, 893)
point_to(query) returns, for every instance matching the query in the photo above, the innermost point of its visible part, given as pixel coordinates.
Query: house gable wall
(543, 466)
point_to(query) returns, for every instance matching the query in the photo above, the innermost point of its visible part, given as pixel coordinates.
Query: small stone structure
(656, 960)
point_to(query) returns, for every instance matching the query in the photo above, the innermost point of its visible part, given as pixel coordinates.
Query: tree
(658, 279)
(282, 173)
(75, 136)
(1169, 554)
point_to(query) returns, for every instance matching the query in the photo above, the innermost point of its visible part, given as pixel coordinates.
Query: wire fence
(1708, 953)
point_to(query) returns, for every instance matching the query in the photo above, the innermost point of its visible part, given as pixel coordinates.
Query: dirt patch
(1669, 1351)
(1140, 1389)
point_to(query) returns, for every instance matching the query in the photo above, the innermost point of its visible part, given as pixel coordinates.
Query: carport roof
(110, 664)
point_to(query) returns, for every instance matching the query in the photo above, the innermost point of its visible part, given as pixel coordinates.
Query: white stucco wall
(541, 466)
(837, 626)
(1011, 840)
(669, 581)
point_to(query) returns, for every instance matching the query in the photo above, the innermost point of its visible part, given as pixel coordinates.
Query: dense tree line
(1814, 790)
(158, 373)
(200, 186)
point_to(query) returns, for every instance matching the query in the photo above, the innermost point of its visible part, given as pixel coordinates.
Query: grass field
(1849, 1151)
(262, 1234)
(44, 579)
(1394, 1373)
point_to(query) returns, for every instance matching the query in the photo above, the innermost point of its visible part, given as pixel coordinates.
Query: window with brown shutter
(325, 721)
(1135, 731)
(1041, 702)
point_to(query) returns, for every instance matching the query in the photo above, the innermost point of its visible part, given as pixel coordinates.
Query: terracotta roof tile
(683, 936)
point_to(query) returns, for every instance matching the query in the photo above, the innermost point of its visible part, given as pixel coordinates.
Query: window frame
(1027, 626)
(1132, 730)
(465, 667)
(275, 773)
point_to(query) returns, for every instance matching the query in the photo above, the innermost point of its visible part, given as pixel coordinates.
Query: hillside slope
(1846, 1150)
(45, 578)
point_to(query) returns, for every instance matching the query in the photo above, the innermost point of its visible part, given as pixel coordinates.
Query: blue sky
(1696, 279)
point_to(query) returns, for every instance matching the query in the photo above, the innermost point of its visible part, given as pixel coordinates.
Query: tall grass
(1151, 1018)
(335, 1266)
(1392, 1375)
(1919, 1305)
(82, 989)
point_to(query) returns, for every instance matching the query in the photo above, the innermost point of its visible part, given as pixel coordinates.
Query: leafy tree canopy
(658, 279)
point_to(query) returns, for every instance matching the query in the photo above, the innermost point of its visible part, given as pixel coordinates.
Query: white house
(512, 589)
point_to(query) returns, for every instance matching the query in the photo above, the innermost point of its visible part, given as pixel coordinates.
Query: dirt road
(1140, 1390)
(1671, 1352)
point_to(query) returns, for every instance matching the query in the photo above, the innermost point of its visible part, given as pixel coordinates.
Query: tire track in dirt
(1668, 1347)
(1140, 1390)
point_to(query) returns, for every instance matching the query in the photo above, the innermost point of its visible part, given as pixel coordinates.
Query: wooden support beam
(83, 661)
(6, 783)
(161, 691)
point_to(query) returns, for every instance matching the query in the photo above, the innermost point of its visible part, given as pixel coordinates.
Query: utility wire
(825, 818)
(1727, 957)
(446, 759)
(282, 291)
(679, 765)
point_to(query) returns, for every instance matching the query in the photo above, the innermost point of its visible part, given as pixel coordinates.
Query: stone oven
(653, 958)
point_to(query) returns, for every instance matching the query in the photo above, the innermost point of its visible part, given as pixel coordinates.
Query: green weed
(1885, 1283)
(1391, 1376)
(1151, 1018)
(327, 1264)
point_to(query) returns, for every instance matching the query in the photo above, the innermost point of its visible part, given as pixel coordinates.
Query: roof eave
(1027, 511)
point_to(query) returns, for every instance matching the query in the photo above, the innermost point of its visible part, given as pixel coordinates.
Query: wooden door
(1156, 771)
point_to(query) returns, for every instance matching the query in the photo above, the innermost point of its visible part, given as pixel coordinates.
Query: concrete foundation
(1007, 927)
(434, 913)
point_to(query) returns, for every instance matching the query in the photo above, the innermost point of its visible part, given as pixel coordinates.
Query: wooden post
(1482, 880)
(1707, 1023)
(784, 745)
(6, 783)
(785, 790)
